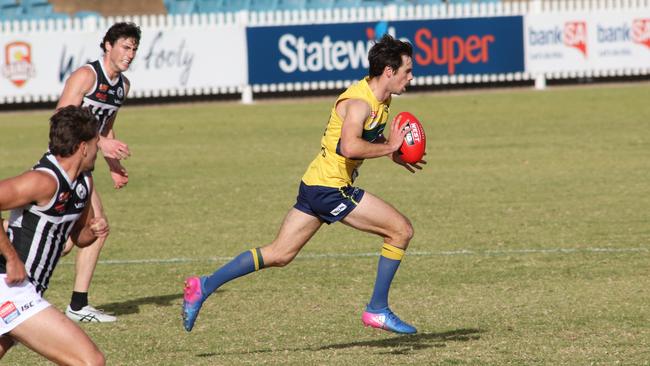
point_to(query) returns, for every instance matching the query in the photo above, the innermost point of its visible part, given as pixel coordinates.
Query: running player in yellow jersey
(354, 133)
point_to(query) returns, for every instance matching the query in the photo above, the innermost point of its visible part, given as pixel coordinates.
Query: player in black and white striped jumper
(101, 86)
(49, 204)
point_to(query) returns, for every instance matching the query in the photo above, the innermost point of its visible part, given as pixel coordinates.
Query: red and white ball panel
(415, 141)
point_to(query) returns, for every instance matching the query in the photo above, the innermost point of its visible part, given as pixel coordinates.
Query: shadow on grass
(395, 345)
(407, 343)
(133, 306)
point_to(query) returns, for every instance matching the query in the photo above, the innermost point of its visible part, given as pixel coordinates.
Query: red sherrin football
(415, 141)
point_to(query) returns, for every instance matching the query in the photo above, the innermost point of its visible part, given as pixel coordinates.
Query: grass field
(532, 234)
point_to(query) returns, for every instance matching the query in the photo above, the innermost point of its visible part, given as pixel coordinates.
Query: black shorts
(327, 203)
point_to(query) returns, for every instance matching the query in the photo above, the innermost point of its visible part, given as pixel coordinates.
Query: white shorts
(18, 303)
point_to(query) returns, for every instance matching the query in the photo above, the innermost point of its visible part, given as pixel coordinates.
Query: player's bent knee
(403, 234)
(282, 260)
(95, 359)
(278, 258)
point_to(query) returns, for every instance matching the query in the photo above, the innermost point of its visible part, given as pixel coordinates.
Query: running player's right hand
(411, 167)
(114, 149)
(16, 273)
(397, 134)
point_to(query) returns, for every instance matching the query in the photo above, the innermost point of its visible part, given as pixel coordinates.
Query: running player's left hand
(114, 148)
(99, 227)
(408, 166)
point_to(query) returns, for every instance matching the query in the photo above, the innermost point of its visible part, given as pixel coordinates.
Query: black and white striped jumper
(39, 233)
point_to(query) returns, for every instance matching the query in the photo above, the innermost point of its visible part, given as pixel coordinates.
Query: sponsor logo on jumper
(8, 312)
(18, 67)
(26, 306)
(339, 209)
(61, 202)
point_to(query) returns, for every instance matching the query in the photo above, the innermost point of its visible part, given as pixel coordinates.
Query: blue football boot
(193, 299)
(387, 320)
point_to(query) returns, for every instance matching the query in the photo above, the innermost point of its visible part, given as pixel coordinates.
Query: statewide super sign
(339, 51)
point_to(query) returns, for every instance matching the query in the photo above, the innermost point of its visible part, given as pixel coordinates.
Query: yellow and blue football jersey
(330, 168)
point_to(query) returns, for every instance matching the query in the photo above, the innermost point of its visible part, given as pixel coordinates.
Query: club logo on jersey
(18, 67)
(61, 202)
(373, 122)
(81, 191)
(120, 92)
(8, 312)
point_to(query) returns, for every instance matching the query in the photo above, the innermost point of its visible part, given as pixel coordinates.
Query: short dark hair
(121, 30)
(69, 126)
(387, 51)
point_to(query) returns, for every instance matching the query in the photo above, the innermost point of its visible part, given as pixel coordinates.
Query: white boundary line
(460, 252)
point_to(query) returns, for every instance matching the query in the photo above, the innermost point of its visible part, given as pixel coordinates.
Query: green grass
(532, 234)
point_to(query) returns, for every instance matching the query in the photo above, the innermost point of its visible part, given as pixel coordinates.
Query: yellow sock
(392, 252)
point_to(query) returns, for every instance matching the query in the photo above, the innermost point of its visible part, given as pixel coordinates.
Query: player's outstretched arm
(32, 186)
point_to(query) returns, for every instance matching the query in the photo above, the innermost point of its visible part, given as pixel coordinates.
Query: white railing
(192, 22)
(323, 16)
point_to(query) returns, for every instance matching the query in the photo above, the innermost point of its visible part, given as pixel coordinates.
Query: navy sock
(245, 263)
(389, 262)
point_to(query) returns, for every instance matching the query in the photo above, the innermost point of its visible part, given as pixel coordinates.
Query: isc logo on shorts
(338, 209)
(8, 312)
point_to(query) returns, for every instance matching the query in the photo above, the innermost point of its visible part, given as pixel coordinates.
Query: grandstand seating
(319, 4)
(87, 14)
(180, 6)
(213, 6)
(235, 5)
(28, 10)
(10, 9)
(291, 4)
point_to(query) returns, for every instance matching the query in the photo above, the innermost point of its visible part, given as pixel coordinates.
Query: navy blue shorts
(327, 203)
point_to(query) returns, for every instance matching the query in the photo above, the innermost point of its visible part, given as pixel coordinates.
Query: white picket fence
(341, 15)
(336, 15)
